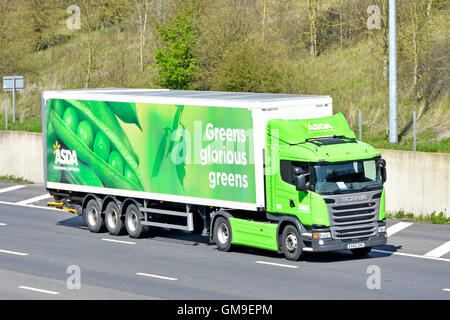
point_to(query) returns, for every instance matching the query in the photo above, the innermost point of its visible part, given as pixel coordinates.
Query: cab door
(287, 199)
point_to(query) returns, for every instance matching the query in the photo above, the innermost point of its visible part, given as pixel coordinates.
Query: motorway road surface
(46, 253)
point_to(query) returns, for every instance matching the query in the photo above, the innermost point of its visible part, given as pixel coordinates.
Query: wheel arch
(214, 216)
(88, 198)
(285, 221)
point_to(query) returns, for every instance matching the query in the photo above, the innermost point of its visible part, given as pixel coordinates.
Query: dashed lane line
(277, 264)
(118, 241)
(38, 290)
(13, 252)
(156, 276)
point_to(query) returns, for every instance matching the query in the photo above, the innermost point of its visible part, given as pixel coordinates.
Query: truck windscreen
(353, 176)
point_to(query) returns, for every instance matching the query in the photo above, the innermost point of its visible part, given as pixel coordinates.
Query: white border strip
(153, 196)
(229, 100)
(439, 251)
(397, 228)
(8, 189)
(411, 255)
(35, 199)
(31, 206)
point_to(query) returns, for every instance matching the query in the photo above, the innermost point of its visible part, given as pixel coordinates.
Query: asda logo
(320, 126)
(65, 157)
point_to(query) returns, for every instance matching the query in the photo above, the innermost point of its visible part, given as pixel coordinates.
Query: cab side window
(287, 170)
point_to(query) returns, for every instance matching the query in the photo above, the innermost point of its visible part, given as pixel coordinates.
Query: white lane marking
(397, 227)
(3, 224)
(14, 252)
(156, 276)
(411, 255)
(119, 241)
(35, 199)
(38, 290)
(8, 189)
(31, 206)
(277, 264)
(439, 251)
(448, 290)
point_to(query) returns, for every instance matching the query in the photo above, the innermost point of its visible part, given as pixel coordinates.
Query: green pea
(129, 175)
(70, 117)
(59, 108)
(116, 161)
(86, 133)
(102, 146)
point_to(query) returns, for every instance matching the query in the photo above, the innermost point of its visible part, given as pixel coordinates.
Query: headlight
(381, 229)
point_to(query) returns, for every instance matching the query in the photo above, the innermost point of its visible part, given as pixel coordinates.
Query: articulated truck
(272, 171)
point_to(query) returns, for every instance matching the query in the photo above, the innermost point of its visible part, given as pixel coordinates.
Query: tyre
(291, 243)
(133, 223)
(222, 234)
(361, 252)
(93, 217)
(114, 222)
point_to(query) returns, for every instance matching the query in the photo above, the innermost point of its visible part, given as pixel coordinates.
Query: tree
(142, 8)
(175, 60)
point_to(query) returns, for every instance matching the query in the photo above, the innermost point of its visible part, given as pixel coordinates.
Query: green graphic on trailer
(193, 151)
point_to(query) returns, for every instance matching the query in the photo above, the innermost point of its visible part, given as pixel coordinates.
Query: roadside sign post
(6, 114)
(11, 84)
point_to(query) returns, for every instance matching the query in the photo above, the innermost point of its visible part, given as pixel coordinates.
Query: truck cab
(325, 182)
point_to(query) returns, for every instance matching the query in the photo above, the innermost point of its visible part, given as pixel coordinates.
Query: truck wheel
(133, 223)
(94, 218)
(222, 234)
(361, 252)
(291, 243)
(113, 221)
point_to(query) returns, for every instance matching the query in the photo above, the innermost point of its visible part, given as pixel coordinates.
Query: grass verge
(13, 179)
(432, 218)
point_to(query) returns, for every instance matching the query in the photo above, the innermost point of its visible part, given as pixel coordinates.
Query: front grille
(353, 220)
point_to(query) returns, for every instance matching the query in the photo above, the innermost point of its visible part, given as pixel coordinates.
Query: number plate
(356, 245)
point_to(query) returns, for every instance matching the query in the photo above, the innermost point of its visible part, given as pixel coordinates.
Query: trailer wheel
(291, 243)
(133, 223)
(114, 222)
(222, 234)
(94, 218)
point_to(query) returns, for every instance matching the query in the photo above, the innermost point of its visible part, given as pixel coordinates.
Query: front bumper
(330, 244)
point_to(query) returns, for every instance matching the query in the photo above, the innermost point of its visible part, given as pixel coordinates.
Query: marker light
(381, 229)
(322, 235)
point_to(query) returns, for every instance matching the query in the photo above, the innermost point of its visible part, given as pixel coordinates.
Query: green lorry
(272, 171)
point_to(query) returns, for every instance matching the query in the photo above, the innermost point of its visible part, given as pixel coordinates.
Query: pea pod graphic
(160, 153)
(175, 125)
(116, 142)
(109, 176)
(85, 177)
(101, 110)
(181, 167)
(125, 111)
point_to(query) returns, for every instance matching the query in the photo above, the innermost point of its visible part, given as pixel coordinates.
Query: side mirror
(300, 179)
(383, 170)
(300, 183)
